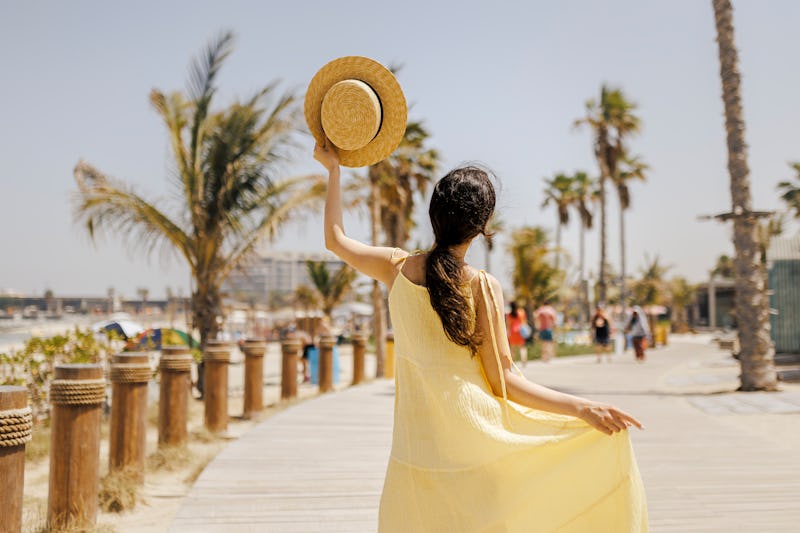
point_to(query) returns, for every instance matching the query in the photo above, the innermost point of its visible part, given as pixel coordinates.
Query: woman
(601, 333)
(516, 322)
(477, 447)
(639, 331)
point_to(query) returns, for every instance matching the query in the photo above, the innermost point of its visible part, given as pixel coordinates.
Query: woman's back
(461, 462)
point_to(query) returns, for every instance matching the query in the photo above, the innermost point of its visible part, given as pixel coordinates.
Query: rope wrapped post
(388, 371)
(289, 350)
(130, 373)
(15, 431)
(326, 344)
(254, 350)
(77, 393)
(216, 359)
(359, 350)
(175, 366)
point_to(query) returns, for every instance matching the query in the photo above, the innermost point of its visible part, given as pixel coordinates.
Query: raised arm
(602, 417)
(377, 262)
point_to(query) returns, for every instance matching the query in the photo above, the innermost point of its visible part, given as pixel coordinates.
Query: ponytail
(444, 280)
(461, 205)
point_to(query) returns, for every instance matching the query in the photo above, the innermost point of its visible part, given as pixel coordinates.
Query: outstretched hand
(327, 156)
(607, 418)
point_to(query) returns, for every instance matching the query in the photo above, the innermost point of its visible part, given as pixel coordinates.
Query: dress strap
(398, 261)
(488, 294)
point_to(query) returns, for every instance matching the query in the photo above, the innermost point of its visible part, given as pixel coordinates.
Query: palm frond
(281, 202)
(102, 204)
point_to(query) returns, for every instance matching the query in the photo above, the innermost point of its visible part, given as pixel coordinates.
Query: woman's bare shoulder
(414, 267)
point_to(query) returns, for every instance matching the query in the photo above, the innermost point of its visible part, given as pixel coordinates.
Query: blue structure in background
(783, 259)
(313, 364)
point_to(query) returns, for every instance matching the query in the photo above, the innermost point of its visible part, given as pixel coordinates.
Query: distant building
(715, 304)
(273, 274)
(783, 260)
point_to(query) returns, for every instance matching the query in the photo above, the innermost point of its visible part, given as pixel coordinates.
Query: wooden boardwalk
(318, 466)
(710, 462)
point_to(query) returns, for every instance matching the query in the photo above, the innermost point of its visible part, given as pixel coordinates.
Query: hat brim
(394, 111)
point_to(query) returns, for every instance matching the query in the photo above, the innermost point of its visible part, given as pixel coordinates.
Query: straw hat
(358, 105)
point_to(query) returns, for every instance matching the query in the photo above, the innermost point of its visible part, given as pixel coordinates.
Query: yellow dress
(464, 460)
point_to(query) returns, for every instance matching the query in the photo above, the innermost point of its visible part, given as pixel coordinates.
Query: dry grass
(169, 458)
(34, 520)
(119, 491)
(204, 436)
(199, 465)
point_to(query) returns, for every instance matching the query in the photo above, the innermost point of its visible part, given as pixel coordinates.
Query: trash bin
(313, 364)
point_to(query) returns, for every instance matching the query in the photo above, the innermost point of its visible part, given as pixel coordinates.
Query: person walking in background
(639, 331)
(516, 322)
(601, 334)
(545, 319)
(308, 345)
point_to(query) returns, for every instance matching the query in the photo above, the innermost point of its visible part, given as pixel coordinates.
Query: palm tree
(306, 297)
(611, 120)
(630, 168)
(651, 288)
(791, 191)
(724, 267)
(223, 162)
(331, 288)
(559, 193)
(393, 185)
(682, 295)
(752, 303)
(535, 278)
(582, 194)
(495, 226)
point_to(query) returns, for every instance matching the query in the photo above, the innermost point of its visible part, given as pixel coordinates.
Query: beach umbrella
(155, 338)
(126, 329)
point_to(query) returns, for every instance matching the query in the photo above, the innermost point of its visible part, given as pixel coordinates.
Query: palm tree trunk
(206, 304)
(752, 304)
(379, 314)
(602, 283)
(623, 294)
(585, 312)
(558, 243)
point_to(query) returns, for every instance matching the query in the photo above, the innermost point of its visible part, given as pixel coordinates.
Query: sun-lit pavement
(711, 460)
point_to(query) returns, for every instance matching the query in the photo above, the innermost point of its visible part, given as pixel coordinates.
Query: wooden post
(254, 350)
(388, 370)
(216, 359)
(326, 344)
(15, 430)
(173, 400)
(77, 393)
(130, 373)
(359, 349)
(289, 349)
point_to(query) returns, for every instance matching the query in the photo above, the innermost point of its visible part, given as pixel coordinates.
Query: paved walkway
(711, 460)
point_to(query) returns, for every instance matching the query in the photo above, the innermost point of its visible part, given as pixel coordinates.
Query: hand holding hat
(357, 105)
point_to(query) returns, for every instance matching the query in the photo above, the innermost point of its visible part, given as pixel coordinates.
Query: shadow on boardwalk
(711, 460)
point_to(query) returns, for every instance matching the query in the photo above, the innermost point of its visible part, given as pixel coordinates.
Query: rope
(221, 356)
(15, 427)
(175, 364)
(130, 373)
(78, 391)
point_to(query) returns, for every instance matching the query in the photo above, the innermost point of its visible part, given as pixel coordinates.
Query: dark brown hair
(461, 205)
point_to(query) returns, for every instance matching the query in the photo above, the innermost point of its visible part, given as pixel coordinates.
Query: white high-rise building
(275, 273)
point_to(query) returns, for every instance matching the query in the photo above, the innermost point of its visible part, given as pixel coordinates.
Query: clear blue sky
(498, 82)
